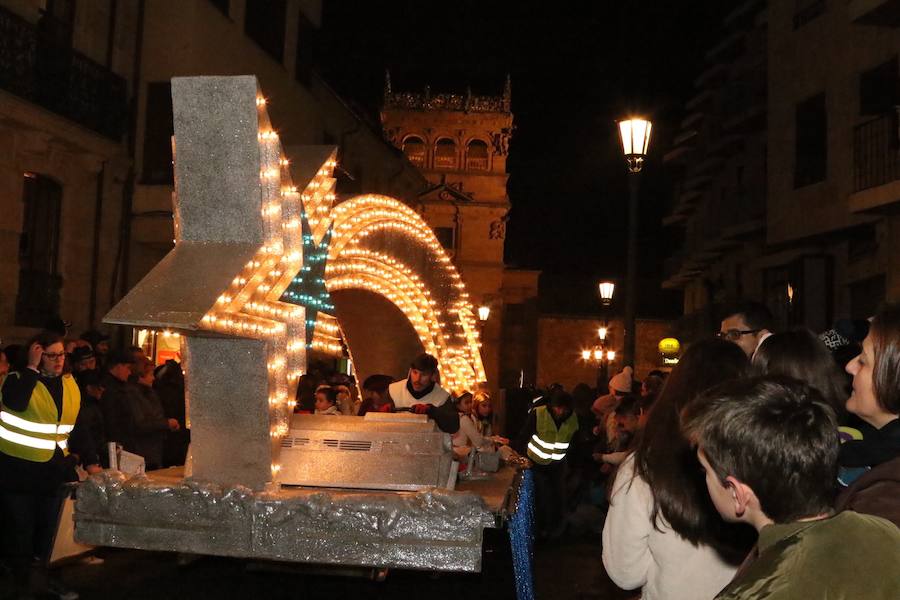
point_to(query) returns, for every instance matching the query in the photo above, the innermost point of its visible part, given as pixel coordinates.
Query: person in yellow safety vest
(545, 438)
(38, 408)
(550, 442)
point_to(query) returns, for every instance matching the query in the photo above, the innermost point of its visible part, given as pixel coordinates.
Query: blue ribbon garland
(521, 538)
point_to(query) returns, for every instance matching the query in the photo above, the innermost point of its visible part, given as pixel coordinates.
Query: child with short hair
(326, 401)
(769, 450)
(375, 396)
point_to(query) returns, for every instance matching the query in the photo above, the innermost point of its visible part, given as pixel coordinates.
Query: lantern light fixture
(606, 289)
(635, 135)
(484, 312)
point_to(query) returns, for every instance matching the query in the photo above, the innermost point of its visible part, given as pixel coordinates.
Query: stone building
(789, 165)
(460, 143)
(66, 80)
(86, 120)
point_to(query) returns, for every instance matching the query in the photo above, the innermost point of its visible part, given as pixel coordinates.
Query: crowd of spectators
(760, 448)
(67, 405)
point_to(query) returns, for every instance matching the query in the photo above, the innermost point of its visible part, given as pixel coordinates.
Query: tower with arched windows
(460, 142)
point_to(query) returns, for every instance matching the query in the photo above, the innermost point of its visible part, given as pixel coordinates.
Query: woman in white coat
(662, 532)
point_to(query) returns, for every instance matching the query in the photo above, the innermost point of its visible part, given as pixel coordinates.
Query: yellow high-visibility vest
(549, 443)
(34, 433)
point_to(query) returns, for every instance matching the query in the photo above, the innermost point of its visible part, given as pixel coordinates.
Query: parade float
(268, 267)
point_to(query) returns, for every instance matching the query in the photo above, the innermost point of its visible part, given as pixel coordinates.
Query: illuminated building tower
(460, 144)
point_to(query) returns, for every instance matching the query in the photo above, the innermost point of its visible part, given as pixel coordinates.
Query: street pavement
(569, 569)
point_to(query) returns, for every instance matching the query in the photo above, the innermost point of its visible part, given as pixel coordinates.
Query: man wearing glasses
(747, 325)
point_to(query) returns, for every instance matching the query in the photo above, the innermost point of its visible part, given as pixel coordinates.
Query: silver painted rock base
(436, 529)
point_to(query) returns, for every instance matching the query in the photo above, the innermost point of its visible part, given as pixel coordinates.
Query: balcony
(885, 13)
(876, 162)
(59, 78)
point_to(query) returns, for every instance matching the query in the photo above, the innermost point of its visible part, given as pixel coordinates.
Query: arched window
(414, 149)
(445, 154)
(39, 279)
(477, 156)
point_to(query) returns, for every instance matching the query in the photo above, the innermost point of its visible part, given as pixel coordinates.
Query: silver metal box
(397, 451)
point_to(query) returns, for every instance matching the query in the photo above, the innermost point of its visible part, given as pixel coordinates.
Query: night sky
(574, 72)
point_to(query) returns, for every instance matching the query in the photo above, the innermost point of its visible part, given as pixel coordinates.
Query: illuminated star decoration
(307, 288)
(238, 245)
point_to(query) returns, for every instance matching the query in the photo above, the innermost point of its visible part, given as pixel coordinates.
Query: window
(879, 89)
(866, 295)
(862, 243)
(445, 154)
(807, 10)
(446, 236)
(157, 167)
(264, 24)
(222, 5)
(305, 42)
(811, 144)
(349, 180)
(57, 23)
(39, 282)
(477, 156)
(414, 149)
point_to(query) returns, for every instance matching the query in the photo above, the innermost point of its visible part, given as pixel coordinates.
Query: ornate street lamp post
(635, 135)
(484, 312)
(605, 290)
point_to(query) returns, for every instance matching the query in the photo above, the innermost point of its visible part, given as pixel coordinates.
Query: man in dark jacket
(125, 411)
(89, 436)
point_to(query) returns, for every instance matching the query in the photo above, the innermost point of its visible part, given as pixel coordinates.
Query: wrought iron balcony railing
(876, 151)
(59, 78)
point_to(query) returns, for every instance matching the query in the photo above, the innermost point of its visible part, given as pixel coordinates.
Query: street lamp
(601, 333)
(635, 135)
(484, 312)
(606, 289)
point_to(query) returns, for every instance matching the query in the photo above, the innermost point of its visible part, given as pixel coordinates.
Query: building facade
(86, 120)
(460, 144)
(797, 206)
(67, 78)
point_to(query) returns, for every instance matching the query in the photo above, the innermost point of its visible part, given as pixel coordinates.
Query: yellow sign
(669, 346)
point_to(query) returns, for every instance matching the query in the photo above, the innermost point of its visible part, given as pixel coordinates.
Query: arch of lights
(375, 242)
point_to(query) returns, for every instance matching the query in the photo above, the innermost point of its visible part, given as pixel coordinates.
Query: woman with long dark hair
(803, 356)
(662, 532)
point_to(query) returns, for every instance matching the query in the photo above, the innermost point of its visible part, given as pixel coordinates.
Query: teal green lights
(308, 286)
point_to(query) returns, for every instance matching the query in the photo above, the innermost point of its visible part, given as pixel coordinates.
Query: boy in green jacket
(769, 446)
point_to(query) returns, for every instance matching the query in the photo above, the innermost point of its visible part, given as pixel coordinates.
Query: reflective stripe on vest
(34, 433)
(19, 423)
(550, 443)
(26, 440)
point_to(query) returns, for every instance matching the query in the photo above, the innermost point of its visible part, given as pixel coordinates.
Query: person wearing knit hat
(622, 381)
